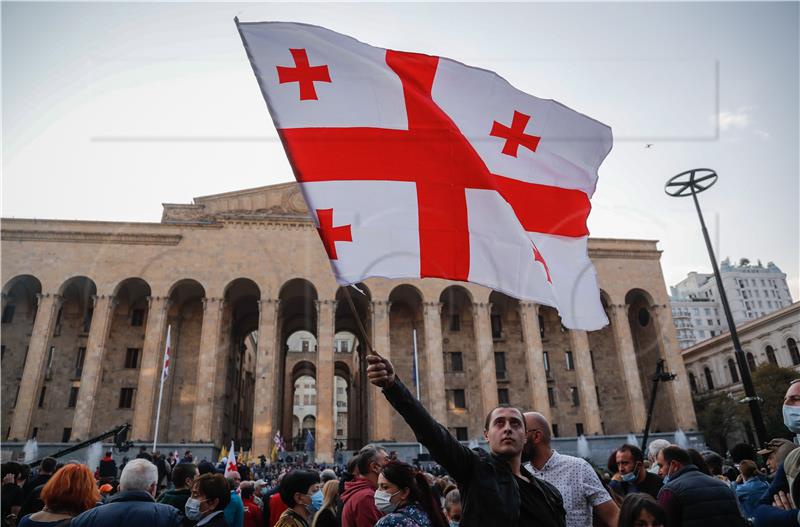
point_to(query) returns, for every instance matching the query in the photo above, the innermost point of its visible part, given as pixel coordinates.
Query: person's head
(205, 467)
(504, 430)
(748, 468)
(775, 452)
(296, 489)
(247, 489)
(210, 493)
(48, 465)
(654, 448)
(791, 407)
(671, 459)
(611, 463)
(371, 461)
(234, 478)
(71, 489)
(630, 463)
(21, 471)
(537, 433)
(327, 475)
(641, 510)
(698, 461)
(713, 461)
(452, 507)
(400, 483)
(183, 475)
(742, 451)
(139, 474)
(330, 491)
(352, 465)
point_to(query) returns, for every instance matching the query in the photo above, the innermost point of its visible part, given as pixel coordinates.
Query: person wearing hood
(778, 507)
(358, 496)
(107, 467)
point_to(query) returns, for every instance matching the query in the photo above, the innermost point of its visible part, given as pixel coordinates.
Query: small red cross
(537, 256)
(330, 234)
(304, 74)
(515, 135)
(232, 467)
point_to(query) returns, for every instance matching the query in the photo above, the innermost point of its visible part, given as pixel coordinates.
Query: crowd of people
(521, 480)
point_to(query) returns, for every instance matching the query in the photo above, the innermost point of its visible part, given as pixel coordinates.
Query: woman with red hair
(69, 492)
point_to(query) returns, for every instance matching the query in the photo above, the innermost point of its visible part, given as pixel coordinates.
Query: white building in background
(753, 292)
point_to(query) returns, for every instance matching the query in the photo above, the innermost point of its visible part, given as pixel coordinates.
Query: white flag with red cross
(418, 166)
(231, 465)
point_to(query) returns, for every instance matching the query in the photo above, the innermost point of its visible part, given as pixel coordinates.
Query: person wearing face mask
(358, 508)
(296, 490)
(778, 506)
(693, 499)
(632, 475)
(406, 498)
(210, 496)
(452, 508)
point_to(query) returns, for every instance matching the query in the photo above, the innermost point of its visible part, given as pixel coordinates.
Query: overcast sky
(110, 110)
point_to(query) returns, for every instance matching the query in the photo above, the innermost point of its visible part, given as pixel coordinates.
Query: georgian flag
(418, 166)
(231, 465)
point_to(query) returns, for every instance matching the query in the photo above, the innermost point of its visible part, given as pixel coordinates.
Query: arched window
(709, 380)
(771, 355)
(792, 345)
(734, 371)
(751, 361)
(693, 382)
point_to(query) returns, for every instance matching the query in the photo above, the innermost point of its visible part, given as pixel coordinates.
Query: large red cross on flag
(419, 166)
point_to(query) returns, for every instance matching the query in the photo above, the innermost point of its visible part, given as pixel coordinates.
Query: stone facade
(87, 305)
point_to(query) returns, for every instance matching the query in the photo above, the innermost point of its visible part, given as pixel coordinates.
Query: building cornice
(59, 236)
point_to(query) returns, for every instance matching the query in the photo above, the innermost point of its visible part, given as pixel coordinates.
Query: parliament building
(262, 338)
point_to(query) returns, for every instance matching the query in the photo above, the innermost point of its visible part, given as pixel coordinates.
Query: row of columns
(266, 396)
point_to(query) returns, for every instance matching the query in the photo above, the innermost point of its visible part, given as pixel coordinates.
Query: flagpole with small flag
(164, 373)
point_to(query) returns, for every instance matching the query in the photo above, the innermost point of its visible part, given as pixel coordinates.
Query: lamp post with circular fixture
(691, 183)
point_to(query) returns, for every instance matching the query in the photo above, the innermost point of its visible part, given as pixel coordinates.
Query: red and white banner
(230, 464)
(420, 166)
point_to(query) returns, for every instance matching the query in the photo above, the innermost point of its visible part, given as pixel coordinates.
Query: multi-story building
(86, 306)
(753, 291)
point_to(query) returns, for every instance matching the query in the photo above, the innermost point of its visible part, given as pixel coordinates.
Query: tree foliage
(718, 416)
(770, 382)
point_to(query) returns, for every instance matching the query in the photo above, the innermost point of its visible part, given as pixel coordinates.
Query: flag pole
(370, 349)
(161, 388)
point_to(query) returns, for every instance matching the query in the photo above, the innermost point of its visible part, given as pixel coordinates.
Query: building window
(461, 433)
(304, 345)
(709, 379)
(497, 327)
(455, 323)
(137, 317)
(500, 365)
(570, 361)
(555, 430)
(2, 351)
(73, 397)
(573, 393)
(733, 370)
(771, 355)
(8, 314)
(502, 396)
(65, 435)
(693, 382)
(79, 362)
(35, 432)
(456, 361)
(41, 396)
(597, 394)
(751, 361)
(591, 358)
(87, 320)
(126, 398)
(132, 358)
(579, 429)
(546, 361)
(541, 326)
(792, 345)
(457, 399)
(551, 396)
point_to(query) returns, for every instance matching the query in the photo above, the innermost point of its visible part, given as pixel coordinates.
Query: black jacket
(490, 494)
(703, 501)
(131, 508)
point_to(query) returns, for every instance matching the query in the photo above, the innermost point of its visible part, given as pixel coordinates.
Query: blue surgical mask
(666, 479)
(192, 509)
(453, 523)
(791, 418)
(630, 477)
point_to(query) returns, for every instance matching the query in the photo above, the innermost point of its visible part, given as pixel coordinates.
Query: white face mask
(192, 509)
(383, 501)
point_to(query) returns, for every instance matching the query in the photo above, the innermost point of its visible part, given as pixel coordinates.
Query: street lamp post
(691, 183)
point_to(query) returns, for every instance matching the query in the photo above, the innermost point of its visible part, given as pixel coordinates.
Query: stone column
(679, 391)
(381, 422)
(207, 370)
(34, 364)
(626, 353)
(150, 369)
(579, 342)
(433, 353)
(267, 385)
(534, 359)
(325, 383)
(92, 366)
(485, 351)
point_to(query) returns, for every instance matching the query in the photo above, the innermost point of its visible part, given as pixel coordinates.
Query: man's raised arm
(445, 449)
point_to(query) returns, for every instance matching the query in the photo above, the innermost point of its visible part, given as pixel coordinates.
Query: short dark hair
(205, 467)
(504, 405)
(366, 456)
(742, 451)
(296, 481)
(48, 465)
(635, 451)
(634, 504)
(214, 486)
(714, 462)
(676, 453)
(181, 471)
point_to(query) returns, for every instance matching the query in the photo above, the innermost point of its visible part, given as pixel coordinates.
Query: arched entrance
(405, 316)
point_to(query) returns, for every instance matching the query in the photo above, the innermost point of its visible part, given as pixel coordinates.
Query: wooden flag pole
(370, 349)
